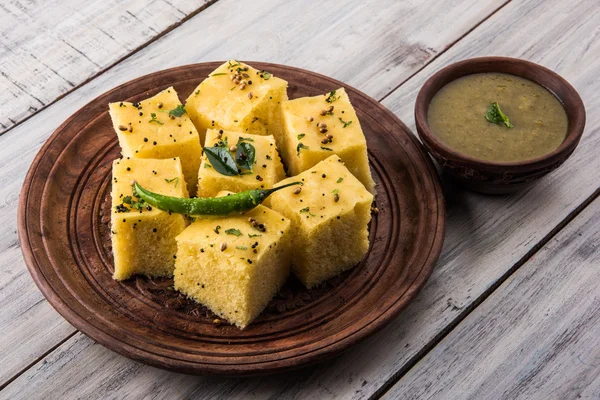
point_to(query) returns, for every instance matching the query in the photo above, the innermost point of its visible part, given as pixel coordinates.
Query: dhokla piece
(159, 128)
(266, 170)
(239, 98)
(329, 217)
(234, 265)
(316, 127)
(143, 237)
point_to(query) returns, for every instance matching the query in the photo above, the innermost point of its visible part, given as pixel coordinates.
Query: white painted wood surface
(220, 32)
(47, 48)
(537, 336)
(487, 236)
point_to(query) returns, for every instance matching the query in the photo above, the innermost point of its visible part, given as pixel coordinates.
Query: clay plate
(63, 228)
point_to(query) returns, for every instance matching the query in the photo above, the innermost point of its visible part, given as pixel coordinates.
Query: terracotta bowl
(499, 177)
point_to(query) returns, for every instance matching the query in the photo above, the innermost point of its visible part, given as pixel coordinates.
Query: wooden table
(512, 309)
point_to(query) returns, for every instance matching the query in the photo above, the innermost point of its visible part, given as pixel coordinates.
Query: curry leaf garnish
(153, 115)
(177, 111)
(245, 155)
(331, 98)
(346, 123)
(495, 115)
(233, 231)
(221, 160)
(300, 147)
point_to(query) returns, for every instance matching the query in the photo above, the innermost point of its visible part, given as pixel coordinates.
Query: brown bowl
(499, 177)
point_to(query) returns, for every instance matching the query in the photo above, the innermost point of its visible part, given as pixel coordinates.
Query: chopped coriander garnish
(331, 98)
(340, 180)
(207, 165)
(326, 148)
(233, 231)
(230, 65)
(241, 247)
(247, 139)
(299, 147)
(335, 191)
(496, 116)
(250, 235)
(307, 210)
(177, 111)
(266, 75)
(153, 115)
(197, 92)
(218, 74)
(300, 136)
(176, 180)
(346, 123)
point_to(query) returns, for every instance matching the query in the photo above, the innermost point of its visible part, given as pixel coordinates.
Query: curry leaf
(221, 160)
(245, 155)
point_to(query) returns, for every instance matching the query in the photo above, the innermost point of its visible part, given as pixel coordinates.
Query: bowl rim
(570, 100)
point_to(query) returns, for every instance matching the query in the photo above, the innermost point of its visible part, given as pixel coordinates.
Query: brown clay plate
(63, 228)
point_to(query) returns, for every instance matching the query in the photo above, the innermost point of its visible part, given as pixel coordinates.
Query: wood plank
(46, 50)
(220, 32)
(486, 235)
(536, 336)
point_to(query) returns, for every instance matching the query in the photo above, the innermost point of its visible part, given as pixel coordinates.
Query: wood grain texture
(536, 337)
(486, 235)
(47, 48)
(61, 223)
(330, 49)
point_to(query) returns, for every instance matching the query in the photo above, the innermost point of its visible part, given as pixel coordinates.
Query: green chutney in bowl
(498, 117)
(497, 124)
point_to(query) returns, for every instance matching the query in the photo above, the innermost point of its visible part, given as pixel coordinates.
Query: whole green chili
(238, 202)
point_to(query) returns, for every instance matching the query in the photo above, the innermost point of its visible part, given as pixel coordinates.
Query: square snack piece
(233, 266)
(156, 128)
(239, 98)
(143, 238)
(329, 220)
(316, 127)
(266, 171)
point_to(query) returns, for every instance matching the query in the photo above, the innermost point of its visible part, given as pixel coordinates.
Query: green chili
(238, 202)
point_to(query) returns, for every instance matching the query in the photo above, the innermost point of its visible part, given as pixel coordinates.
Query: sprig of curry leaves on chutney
(495, 115)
